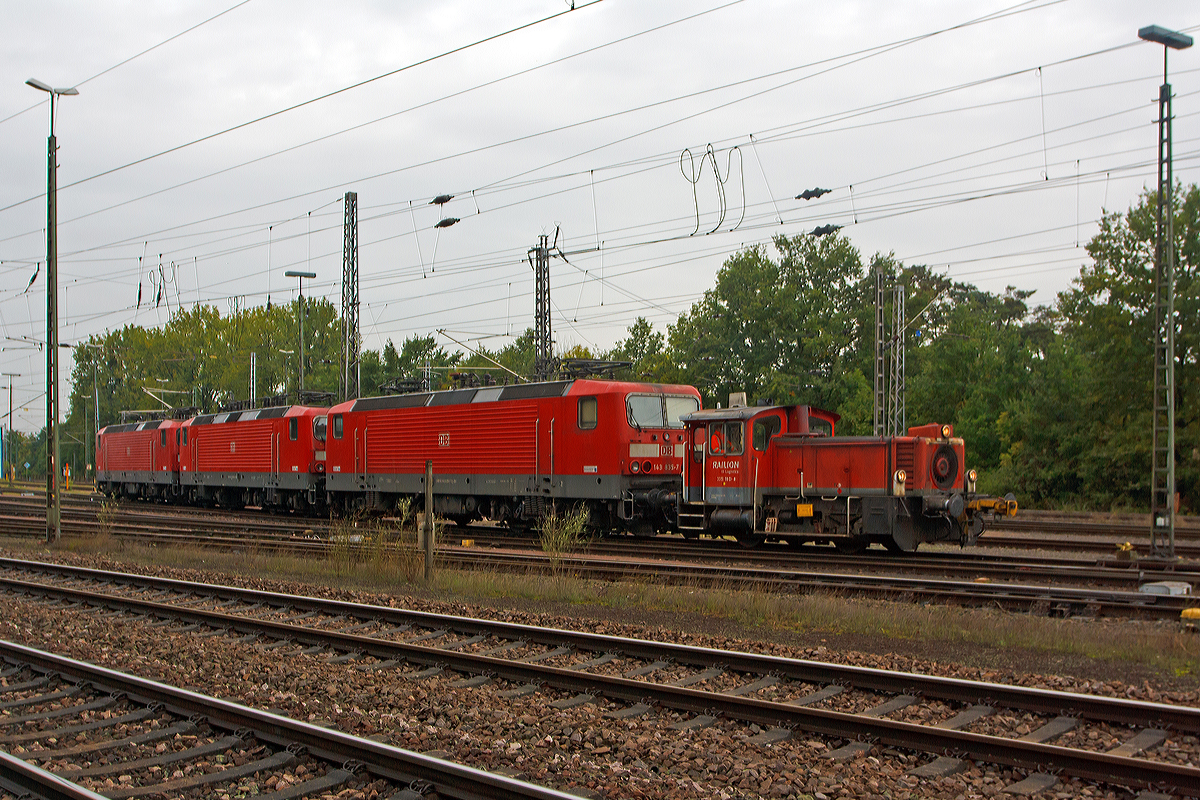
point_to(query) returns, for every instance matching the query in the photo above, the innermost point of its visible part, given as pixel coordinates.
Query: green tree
(784, 330)
(1083, 434)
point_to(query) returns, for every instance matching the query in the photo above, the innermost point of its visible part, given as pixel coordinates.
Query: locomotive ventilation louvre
(906, 462)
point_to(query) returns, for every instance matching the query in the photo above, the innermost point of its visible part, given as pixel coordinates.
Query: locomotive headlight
(972, 476)
(946, 431)
(898, 479)
(635, 467)
(901, 476)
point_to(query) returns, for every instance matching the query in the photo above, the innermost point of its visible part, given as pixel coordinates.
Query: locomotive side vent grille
(906, 460)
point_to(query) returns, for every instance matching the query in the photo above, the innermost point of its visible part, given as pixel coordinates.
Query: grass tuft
(562, 534)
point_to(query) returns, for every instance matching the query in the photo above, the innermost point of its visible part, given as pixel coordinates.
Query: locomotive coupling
(659, 499)
(1001, 506)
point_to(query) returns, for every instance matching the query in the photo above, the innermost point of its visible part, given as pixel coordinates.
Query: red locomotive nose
(941, 468)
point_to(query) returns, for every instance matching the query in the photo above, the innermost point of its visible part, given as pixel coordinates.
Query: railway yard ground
(609, 741)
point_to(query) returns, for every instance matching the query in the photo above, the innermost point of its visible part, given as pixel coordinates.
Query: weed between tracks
(379, 550)
(562, 534)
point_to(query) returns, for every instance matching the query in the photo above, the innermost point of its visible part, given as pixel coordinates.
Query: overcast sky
(981, 138)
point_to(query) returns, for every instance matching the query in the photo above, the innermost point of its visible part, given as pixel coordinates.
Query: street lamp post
(1162, 469)
(53, 507)
(293, 273)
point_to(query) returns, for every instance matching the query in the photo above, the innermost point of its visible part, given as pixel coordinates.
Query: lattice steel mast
(543, 359)
(897, 421)
(880, 359)
(351, 338)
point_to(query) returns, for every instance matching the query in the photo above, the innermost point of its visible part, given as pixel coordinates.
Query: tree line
(1054, 401)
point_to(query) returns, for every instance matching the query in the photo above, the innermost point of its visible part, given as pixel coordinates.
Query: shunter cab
(779, 472)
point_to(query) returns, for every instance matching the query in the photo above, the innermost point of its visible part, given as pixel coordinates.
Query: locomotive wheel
(893, 546)
(852, 545)
(749, 540)
(692, 535)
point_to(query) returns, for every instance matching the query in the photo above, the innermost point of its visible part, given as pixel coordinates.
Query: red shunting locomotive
(778, 472)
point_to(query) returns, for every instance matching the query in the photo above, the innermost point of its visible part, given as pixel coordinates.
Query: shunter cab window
(293, 429)
(319, 426)
(725, 438)
(337, 426)
(588, 413)
(820, 427)
(764, 429)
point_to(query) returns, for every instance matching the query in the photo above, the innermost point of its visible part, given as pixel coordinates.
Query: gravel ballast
(572, 749)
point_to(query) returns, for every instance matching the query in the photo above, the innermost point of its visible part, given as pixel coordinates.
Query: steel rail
(1121, 770)
(975, 564)
(23, 779)
(394, 763)
(1093, 707)
(1019, 596)
(1047, 597)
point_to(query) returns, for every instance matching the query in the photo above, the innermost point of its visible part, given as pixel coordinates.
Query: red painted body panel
(252, 446)
(153, 449)
(508, 437)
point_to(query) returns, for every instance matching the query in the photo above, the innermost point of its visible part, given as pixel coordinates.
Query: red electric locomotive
(507, 452)
(267, 457)
(138, 459)
(779, 472)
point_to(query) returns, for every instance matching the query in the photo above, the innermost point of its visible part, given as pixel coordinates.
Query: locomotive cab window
(588, 413)
(725, 438)
(764, 429)
(820, 427)
(698, 444)
(319, 426)
(659, 410)
(677, 405)
(293, 429)
(162, 439)
(177, 430)
(337, 426)
(645, 411)
(185, 430)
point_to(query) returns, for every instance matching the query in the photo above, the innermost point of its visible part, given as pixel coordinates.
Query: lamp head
(1171, 39)
(45, 87)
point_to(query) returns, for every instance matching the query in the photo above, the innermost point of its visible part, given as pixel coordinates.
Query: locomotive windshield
(677, 405)
(658, 410)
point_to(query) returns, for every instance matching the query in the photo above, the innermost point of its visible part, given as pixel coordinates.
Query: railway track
(1031, 531)
(1047, 734)
(1043, 586)
(71, 729)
